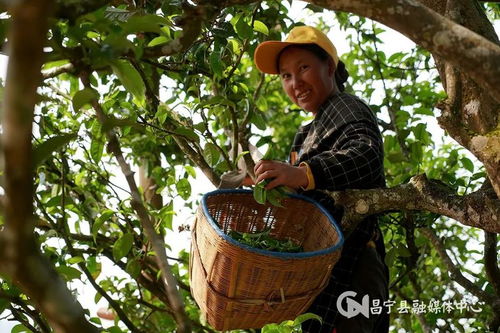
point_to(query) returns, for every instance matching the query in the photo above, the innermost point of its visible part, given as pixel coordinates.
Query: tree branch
(191, 23)
(157, 242)
(472, 53)
(17, 315)
(64, 225)
(35, 315)
(424, 325)
(73, 9)
(53, 72)
(455, 273)
(480, 209)
(19, 253)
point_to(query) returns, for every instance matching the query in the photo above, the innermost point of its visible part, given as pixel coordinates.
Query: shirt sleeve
(355, 161)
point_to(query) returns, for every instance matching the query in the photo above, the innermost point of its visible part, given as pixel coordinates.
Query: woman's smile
(304, 95)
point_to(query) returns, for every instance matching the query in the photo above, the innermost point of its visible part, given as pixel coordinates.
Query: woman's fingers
(271, 173)
(280, 173)
(263, 166)
(276, 172)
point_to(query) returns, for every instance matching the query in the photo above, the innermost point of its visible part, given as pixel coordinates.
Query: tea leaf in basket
(264, 241)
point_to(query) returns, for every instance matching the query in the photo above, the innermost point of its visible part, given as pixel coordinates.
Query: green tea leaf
(75, 260)
(265, 241)
(270, 154)
(69, 273)
(84, 97)
(211, 154)
(274, 197)
(19, 328)
(183, 187)
(467, 164)
(158, 41)
(259, 121)
(216, 63)
(133, 268)
(96, 149)
(188, 133)
(45, 149)
(259, 193)
(190, 170)
(105, 216)
(260, 27)
(145, 23)
(122, 246)
(130, 78)
(306, 316)
(243, 29)
(167, 215)
(93, 266)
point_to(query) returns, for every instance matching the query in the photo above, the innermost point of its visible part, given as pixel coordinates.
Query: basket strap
(276, 297)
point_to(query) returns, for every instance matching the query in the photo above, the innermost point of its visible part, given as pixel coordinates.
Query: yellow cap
(265, 56)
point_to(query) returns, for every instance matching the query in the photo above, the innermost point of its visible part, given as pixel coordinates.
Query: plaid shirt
(343, 147)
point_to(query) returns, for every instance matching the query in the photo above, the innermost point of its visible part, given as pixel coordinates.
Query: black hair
(341, 73)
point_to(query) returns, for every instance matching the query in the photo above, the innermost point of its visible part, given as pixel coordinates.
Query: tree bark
(480, 209)
(20, 258)
(456, 274)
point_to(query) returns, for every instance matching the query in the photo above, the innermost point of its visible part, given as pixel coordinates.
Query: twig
(35, 315)
(21, 319)
(454, 271)
(210, 137)
(137, 204)
(392, 114)
(53, 72)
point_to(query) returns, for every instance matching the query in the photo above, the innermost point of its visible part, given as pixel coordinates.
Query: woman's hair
(341, 73)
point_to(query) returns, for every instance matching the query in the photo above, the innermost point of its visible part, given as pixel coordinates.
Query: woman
(340, 149)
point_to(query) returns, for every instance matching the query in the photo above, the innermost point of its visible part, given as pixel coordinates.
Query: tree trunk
(20, 255)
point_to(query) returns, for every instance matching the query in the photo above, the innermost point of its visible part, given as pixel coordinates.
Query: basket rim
(281, 255)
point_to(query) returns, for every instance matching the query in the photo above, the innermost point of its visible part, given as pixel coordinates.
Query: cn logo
(353, 307)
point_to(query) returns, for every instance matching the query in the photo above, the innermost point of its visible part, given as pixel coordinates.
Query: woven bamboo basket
(240, 287)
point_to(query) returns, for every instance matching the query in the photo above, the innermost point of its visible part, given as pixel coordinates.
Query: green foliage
(197, 97)
(290, 326)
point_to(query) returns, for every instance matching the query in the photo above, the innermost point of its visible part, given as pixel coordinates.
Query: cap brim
(266, 55)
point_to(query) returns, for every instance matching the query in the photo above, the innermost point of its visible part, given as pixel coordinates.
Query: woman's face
(306, 79)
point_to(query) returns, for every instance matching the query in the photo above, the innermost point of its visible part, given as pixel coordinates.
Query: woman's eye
(303, 67)
(285, 76)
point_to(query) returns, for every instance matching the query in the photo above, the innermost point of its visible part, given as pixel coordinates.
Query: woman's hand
(280, 174)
